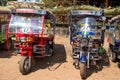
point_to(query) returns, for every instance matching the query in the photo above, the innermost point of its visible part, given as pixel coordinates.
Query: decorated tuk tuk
(34, 31)
(86, 38)
(114, 38)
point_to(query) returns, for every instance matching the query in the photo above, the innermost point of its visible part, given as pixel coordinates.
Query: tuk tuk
(4, 20)
(86, 38)
(34, 32)
(114, 38)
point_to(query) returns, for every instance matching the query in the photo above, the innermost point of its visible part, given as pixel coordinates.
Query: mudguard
(83, 58)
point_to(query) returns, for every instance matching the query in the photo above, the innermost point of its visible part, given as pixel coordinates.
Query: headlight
(29, 39)
(24, 39)
(21, 39)
(17, 38)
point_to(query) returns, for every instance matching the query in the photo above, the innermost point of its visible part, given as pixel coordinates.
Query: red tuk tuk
(34, 35)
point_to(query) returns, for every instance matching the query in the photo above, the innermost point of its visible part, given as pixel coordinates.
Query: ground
(58, 67)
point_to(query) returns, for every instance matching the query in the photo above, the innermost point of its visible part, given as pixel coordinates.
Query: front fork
(85, 58)
(88, 60)
(27, 51)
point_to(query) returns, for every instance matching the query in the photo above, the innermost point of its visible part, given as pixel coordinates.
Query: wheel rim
(27, 64)
(113, 56)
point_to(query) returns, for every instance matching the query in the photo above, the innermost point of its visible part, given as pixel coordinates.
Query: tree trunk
(106, 3)
(74, 2)
(88, 1)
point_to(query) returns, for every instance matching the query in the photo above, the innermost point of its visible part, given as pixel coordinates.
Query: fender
(83, 58)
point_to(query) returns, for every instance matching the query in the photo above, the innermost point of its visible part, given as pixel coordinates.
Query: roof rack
(26, 4)
(34, 11)
(86, 12)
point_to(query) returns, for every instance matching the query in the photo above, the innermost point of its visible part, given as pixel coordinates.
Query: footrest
(75, 56)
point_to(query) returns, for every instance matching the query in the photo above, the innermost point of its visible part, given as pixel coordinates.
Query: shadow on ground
(100, 64)
(53, 62)
(4, 53)
(119, 63)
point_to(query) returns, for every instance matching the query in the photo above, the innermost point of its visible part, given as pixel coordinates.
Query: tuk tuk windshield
(89, 23)
(85, 26)
(26, 23)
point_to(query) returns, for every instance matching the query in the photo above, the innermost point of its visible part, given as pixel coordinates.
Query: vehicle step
(46, 55)
(39, 52)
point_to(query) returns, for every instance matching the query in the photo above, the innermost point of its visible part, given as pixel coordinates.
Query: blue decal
(92, 33)
(79, 33)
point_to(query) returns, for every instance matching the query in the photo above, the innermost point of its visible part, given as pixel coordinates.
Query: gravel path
(57, 67)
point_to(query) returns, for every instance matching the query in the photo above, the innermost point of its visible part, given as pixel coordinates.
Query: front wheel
(25, 65)
(83, 70)
(113, 55)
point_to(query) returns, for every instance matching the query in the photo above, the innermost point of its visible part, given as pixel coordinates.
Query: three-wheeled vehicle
(86, 38)
(114, 38)
(34, 35)
(4, 20)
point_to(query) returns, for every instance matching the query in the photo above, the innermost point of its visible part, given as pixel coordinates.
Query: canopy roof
(87, 13)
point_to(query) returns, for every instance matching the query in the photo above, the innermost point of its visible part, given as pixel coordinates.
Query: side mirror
(103, 18)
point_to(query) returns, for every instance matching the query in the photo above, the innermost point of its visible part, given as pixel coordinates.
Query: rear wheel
(83, 70)
(52, 52)
(9, 45)
(25, 65)
(113, 55)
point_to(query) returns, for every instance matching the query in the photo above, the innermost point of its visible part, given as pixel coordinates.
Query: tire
(83, 70)
(76, 63)
(113, 56)
(25, 65)
(52, 52)
(9, 45)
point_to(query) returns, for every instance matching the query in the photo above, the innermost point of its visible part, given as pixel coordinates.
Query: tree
(3, 2)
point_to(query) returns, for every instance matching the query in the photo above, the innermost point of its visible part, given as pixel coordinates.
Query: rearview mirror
(103, 18)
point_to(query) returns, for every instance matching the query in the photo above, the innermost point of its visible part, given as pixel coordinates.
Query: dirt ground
(58, 67)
